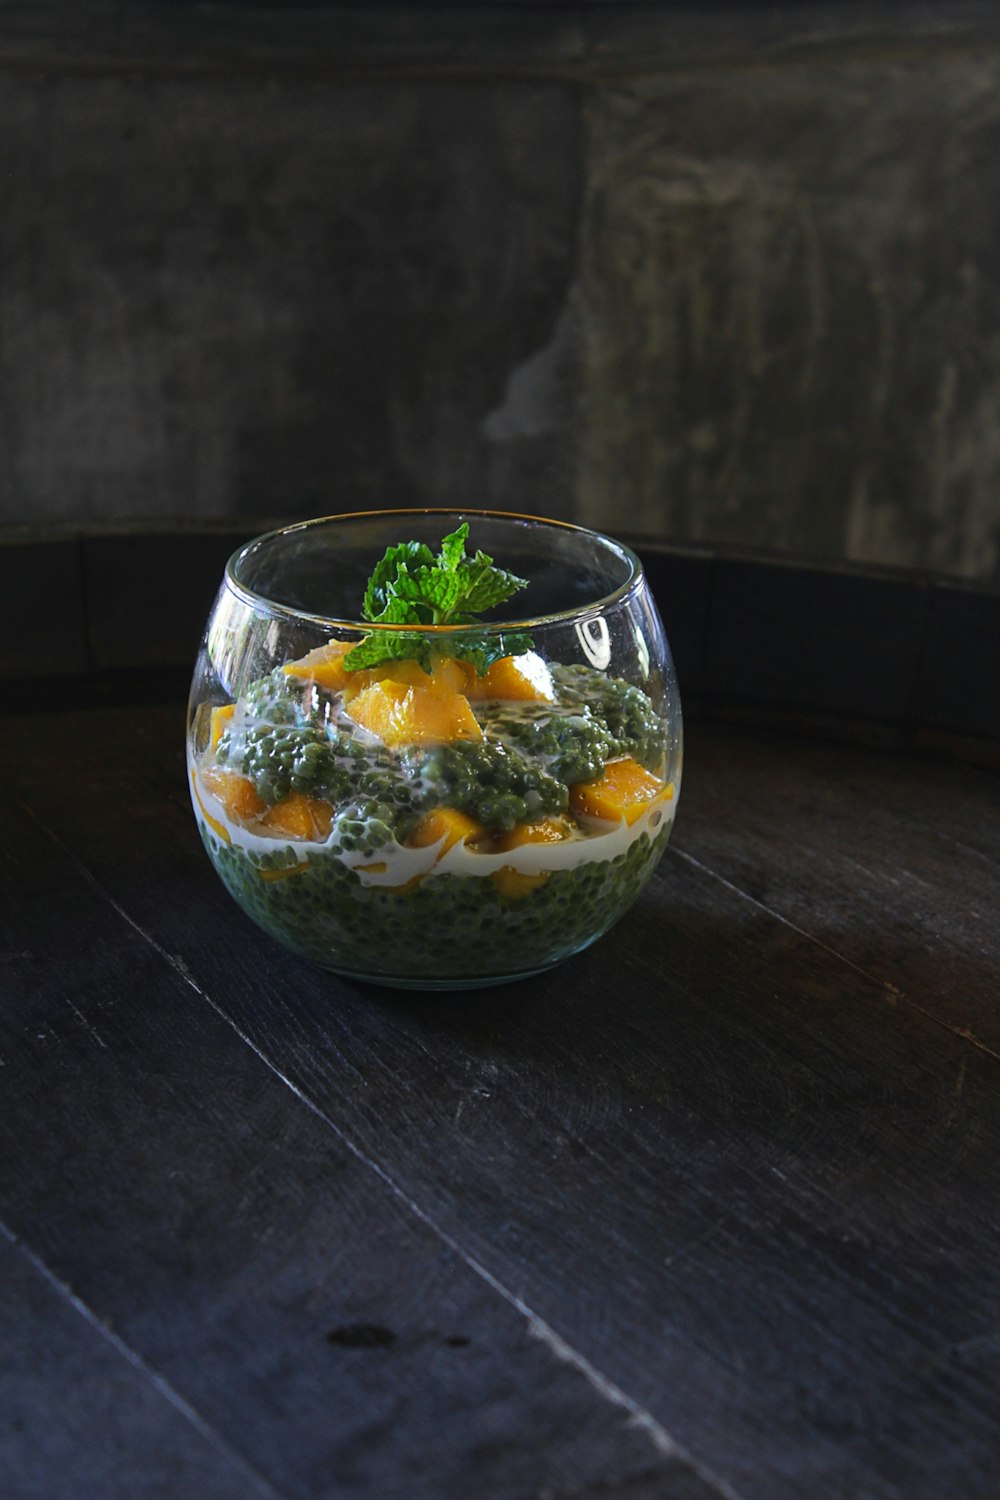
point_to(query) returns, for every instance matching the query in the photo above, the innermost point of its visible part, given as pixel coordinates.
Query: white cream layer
(395, 864)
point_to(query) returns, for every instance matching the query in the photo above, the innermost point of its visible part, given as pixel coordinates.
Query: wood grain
(316, 1328)
(82, 1420)
(892, 864)
(721, 1169)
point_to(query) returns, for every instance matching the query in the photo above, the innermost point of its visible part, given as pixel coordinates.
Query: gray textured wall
(701, 276)
(792, 283)
(244, 296)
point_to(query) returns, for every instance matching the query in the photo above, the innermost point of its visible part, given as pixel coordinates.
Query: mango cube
(219, 829)
(221, 718)
(625, 790)
(542, 831)
(237, 794)
(300, 817)
(446, 673)
(324, 666)
(524, 677)
(514, 883)
(400, 714)
(446, 823)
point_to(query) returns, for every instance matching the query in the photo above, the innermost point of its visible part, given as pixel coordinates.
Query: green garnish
(412, 587)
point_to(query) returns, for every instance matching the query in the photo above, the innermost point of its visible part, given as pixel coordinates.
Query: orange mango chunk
(220, 720)
(219, 829)
(296, 869)
(236, 793)
(403, 715)
(625, 790)
(446, 673)
(514, 883)
(300, 817)
(524, 677)
(543, 831)
(445, 823)
(324, 666)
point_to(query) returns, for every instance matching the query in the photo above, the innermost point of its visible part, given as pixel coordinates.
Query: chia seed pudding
(483, 851)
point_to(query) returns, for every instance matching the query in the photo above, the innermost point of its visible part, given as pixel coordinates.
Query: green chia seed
(448, 927)
(623, 712)
(492, 783)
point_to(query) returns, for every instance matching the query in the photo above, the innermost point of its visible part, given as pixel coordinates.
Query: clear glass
(439, 829)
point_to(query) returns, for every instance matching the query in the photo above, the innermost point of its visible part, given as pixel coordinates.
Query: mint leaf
(432, 592)
(453, 547)
(410, 586)
(388, 646)
(489, 586)
(380, 584)
(482, 650)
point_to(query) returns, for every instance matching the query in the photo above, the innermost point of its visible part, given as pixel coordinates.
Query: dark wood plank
(137, 614)
(681, 582)
(812, 638)
(712, 1155)
(893, 864)
(316, 1321)
(82, 1420)
(958, 688)
(42, 641)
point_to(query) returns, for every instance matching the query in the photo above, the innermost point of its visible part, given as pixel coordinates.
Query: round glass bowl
(481, 803)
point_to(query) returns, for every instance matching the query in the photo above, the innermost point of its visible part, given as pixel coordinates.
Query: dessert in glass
(434, 749)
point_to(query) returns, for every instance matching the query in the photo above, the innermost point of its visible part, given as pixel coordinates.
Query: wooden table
(709, 1212)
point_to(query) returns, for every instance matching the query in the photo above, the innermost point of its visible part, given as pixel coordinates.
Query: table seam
(149, 1372)
(892, 991)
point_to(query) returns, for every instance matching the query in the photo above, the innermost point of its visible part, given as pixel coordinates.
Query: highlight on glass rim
(434, 749)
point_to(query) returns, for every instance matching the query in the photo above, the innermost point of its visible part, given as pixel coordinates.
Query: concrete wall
(703, 275)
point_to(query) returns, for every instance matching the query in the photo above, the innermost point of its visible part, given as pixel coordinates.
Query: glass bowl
(483, 801)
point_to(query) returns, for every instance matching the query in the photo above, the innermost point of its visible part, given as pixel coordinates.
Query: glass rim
(277, 610)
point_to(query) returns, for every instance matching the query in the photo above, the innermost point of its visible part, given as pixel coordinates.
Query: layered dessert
(432, 816)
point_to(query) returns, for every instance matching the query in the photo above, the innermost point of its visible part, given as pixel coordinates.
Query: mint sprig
(410, 586)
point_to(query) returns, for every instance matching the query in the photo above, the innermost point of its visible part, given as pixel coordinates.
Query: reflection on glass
(595, 639)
